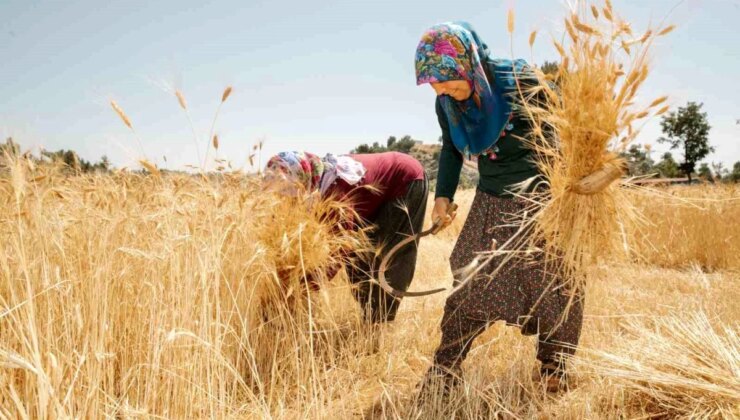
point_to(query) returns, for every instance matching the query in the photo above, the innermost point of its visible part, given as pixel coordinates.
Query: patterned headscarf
(306, 167)
(453, 51)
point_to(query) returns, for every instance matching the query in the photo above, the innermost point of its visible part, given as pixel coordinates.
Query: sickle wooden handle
(437, 226)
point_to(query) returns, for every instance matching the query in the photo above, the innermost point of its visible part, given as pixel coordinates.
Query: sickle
(436, 227)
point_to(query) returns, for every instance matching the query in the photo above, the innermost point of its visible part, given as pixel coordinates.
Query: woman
(386, 190)
(477, 110)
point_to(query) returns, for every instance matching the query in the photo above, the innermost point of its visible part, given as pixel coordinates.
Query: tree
(705, 172)
(688, 128)
(404, 145)
(735, 175)
(105, 165)
(72, 161)
(667, 167)
(390, 142)
(550, 67)
(361, 149)
(638, 161)
(719, 170)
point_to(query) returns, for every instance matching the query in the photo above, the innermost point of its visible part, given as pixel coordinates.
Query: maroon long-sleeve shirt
(389, 174)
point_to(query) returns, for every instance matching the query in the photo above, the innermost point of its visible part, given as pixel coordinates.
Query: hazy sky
(313, 75)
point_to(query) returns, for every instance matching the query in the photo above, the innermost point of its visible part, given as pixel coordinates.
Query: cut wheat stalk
(684, 364)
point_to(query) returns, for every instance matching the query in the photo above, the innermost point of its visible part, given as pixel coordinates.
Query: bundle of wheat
(305, 237)
(683, 366)
(589, 107)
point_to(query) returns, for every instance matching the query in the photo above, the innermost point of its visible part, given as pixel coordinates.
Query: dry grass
(138, 296)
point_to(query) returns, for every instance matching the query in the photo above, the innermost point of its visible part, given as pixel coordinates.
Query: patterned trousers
(521, 293)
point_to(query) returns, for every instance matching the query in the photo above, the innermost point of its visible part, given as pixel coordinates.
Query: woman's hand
(441, 207)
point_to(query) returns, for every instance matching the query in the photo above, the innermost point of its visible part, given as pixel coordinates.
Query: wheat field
(143, 296)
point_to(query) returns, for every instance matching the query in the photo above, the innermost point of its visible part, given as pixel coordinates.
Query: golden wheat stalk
(127, 121)
(152, 168)
(224, 96)
(184, 105)
(121, 114)
(181, 100)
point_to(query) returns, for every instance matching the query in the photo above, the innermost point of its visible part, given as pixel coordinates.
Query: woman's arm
(450, 161)
(448, 174)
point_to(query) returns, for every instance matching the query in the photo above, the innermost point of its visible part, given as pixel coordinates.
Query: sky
(321, 76)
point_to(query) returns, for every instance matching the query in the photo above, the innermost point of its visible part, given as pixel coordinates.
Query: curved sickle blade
(384, 266)
(436, 227)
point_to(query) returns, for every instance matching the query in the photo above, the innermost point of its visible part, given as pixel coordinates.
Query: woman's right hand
(441, 206)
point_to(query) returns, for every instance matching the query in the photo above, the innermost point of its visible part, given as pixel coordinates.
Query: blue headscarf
(454, 51)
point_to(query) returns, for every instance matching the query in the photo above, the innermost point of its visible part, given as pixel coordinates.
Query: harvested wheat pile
(682, 365)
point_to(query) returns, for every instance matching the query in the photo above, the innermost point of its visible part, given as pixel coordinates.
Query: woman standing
(386, 190)
(477, 110)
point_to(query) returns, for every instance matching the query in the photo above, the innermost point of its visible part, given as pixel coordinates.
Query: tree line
(403, 145)
(686, 129)
(69, 159)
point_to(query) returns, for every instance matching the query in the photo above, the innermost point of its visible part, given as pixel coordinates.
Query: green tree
(667, 167)
(719, 170)
(638, 161)
(735, 174)
(550, 67)
(390, 142)
(361, 149)
(403, 145)
(104, 164)
(705, 172)
(74, 162)
(688, 128)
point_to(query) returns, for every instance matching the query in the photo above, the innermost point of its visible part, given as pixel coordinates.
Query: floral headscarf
(453, 51)
(306, 167)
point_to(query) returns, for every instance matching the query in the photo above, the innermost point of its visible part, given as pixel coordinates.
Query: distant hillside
(428, 155)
